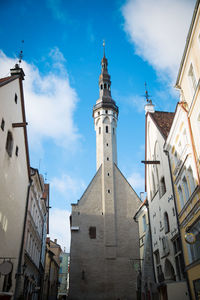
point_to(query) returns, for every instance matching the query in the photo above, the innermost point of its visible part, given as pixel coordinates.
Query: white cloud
(158, 30)
(66, 184)
(137, 181)
(60, 227)
(50, 101)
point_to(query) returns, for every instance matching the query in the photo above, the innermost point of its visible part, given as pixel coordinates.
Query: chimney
(17, 71)
(149, 107)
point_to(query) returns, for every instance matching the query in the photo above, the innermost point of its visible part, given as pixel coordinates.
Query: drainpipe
(178, 223)
(19, 273)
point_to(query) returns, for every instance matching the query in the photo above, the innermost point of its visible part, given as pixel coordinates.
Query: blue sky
(62, 53)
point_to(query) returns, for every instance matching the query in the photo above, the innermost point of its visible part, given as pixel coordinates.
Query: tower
(104, 237)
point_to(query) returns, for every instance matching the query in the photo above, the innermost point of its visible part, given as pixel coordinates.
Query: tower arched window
(9, 143)
(105, 86)
(101, 86)
(166, 222)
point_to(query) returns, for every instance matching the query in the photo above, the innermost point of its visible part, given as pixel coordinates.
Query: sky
(62, 51)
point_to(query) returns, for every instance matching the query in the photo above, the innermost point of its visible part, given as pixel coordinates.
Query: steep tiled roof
(163, 121)
(5, 79)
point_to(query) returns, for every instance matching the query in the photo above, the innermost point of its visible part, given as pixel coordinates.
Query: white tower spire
(105, 114)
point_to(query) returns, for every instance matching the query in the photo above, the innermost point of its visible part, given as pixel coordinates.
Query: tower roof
(105, 99)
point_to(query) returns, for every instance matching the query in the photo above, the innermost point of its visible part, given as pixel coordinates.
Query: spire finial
(104, 48)
(147, 94)
(20, 56)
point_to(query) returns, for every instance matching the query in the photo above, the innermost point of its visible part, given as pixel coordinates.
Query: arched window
(186, 190)
(101, 86)
(106, 129)
(166, 222)
(99, 130)
(9, 143)
(105, 86)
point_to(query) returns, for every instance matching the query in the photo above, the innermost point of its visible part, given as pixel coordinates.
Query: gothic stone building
(104, 236)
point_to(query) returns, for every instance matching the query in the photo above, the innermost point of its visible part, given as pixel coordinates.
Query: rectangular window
(99, 130)
(195, 248)
(144, 223)
(192, 79)
(106, 129)
(92, 232)
(180, 192)
(178, 258)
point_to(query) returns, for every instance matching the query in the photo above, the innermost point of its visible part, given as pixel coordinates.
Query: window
(106, 129)
(107, 158)
(2, 124)
(15, 98)
(108, 174)
(195, 248)
(113, 130)
(101, 86)
(108, 191)
(17, 151)
(107, 144)
(178, 258)
(92, 232)
(9, 143)
(98, 113)
(158, 265)
(180, 192)
(166, 222)
(162, 186)
(99, 130)
(191, 180)
(186, 190)
(144, 223)
(192, 79)
(104, 85)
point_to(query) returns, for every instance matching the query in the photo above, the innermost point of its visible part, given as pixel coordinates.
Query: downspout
(178, 223)
(18, 274)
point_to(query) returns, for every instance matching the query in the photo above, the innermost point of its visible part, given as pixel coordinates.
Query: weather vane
(146, 93)
(20, 56)
(104, 47)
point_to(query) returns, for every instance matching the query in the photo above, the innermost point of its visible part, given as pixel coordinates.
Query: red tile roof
(163, 121)
(5, 79)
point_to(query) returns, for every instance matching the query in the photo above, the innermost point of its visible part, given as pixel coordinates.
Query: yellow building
(183, 145)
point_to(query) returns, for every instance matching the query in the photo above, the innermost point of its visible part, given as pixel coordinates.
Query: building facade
(52, 265)
(14, 180)
(35, 236)
(63, 276)
(104, 237)
(167, 254)
(187, 165)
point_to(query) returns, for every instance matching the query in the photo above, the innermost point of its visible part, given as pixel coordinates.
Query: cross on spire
(104, 48)
(147, 94)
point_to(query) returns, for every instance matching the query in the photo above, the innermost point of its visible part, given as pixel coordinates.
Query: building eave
(187, 43)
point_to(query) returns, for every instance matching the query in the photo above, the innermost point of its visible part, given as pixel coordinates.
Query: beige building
(14, 180)
(52, 264)
(104, 236)
(184, 149)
